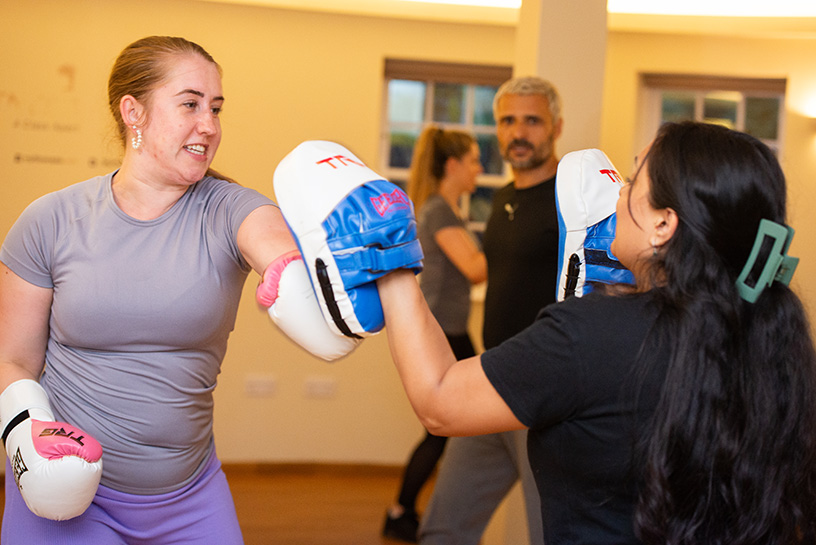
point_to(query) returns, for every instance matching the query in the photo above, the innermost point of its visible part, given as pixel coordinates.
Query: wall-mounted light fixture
(485, 3)
(720, 8)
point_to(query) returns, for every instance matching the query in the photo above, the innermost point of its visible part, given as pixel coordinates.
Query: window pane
(400, 182)
(480, 202)
(489, 153)
(677, 106)
(402, 148)
(762, 117)
(483, 107)
(721, 107)
(449, 103)
(406, 101)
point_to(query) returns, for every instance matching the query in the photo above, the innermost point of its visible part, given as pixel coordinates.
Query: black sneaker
(402, 528)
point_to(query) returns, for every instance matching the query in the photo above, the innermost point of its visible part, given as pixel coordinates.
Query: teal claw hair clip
(779, 266)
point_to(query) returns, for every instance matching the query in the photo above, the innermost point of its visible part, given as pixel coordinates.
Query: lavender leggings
(201, 513)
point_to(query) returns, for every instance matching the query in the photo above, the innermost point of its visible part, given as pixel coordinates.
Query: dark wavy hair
(730, 456)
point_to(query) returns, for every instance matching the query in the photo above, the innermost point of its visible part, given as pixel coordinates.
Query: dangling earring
(136, 141)
(654, 250)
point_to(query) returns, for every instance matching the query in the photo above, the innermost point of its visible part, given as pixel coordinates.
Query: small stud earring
(136, 141)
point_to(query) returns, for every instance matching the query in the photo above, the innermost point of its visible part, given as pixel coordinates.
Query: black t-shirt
(571, 377)
(521, 247)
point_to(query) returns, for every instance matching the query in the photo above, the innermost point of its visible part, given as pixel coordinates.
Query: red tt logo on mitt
(613, 175)
(344, 161)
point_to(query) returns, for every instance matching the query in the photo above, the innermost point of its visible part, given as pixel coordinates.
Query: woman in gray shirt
(117, 298)
(444, 167)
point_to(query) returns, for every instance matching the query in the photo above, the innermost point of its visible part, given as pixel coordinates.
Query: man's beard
(540, 155)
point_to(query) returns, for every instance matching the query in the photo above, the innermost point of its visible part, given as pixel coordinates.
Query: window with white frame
(449, 95)
(751, 105)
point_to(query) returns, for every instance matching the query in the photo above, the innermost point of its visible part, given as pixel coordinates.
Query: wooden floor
(313, 504)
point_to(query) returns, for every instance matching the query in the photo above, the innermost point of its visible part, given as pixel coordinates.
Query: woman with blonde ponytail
(444, 167)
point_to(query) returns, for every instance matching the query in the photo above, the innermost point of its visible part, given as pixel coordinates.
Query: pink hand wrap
(267, 292)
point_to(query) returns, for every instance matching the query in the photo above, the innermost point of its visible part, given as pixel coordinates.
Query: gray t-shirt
(446, 289)
(139, 322)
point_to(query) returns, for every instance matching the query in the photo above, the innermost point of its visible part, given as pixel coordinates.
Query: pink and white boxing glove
(56, 466)
(286, 292)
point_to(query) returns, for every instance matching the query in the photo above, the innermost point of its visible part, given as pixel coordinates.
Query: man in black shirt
(521, 246)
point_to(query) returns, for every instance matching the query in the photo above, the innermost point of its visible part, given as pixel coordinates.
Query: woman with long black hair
(678, 411)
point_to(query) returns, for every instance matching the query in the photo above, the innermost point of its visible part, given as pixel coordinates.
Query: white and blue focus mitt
(351, 225)
(586, 189)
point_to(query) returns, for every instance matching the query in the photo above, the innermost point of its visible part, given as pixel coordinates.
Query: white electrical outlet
(260, 385)
(320, 387)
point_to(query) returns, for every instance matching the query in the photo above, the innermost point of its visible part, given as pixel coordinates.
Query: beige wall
(630, 54)
(291, 76)
(288, 76)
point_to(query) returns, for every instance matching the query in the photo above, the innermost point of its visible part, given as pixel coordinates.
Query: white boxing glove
(56, 466)
(286, 291)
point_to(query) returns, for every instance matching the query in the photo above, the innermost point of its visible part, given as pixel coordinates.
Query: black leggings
(423, 460)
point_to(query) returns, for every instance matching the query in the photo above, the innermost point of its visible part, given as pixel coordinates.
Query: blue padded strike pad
(370, 233)
(601, 266)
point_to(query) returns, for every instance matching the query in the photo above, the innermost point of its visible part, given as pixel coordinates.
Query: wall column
(564, 41)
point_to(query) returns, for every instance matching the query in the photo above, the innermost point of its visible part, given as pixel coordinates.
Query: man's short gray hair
(531, 85)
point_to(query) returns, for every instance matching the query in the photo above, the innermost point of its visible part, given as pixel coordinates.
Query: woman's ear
(451, 164)
(131, 110)
(664, 227)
